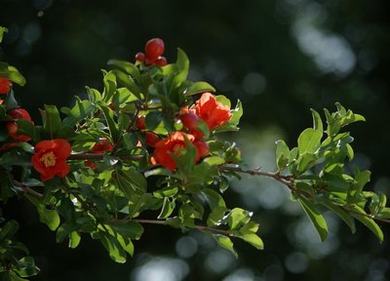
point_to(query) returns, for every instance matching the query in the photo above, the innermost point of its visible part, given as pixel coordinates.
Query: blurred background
(280, 58)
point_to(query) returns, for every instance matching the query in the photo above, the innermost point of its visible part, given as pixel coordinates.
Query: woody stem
(163, 222)
(97, 157)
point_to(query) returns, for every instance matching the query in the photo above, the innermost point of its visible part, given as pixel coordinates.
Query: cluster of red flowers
(207, 113)
(50, 156)
(208, 110)
(154, 50)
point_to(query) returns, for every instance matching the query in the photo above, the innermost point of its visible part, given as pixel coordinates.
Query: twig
(26, 189)
(365, 214)
(286, 180)
(289, 182)
(164, 222)
(97, 157)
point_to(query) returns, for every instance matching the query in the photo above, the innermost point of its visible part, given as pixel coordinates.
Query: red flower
(191, 121)
(50, 157)
(12, 127)
(8, 146)
(214, 113)
(102, 146)
(151, 139)
(166, 149)
(5, 85)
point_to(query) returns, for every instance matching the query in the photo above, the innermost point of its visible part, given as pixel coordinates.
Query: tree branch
(289, 182)
(26, 189)
(198, 227)
(98, 157)
(286, 180)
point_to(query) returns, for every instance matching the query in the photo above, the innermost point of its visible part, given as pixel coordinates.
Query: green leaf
(79, 111)
(238, 217)
(315, 217)
(74, 239)
(123, 96)
(217, 206)
(214, 161)
(344, 215)
(216, 215)
(48, 217)
(225, 243)
(6, 186)
(182, 66)
(131, 229)
(25, 267)
(153, 120)
(2, 31)
(254, 240)
(305, 161)
(282, 154)
(250, 227)
(157, 123)
(12, 276)
(237, 113)
(361, 179)
(126, 67)
(350, 152)
(131, 182)
(12, 74)
(166, 192)
(384, 213)
(317, 121)
(63, 231)
(113, 247)
(199, 87)
(362, 216)
(112, 126)
(51, 120)
(109, 81)
(167, 208)
(8, 230)
(309, 141)
(94, 95)
(27, 128)
(214, 199)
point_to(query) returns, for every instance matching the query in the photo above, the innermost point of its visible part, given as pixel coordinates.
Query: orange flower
(166, 149)
(12, 127)
(5, 85)
(50, 157)
(214, 113)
